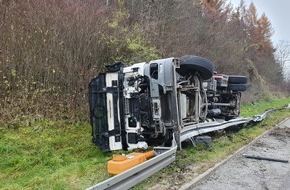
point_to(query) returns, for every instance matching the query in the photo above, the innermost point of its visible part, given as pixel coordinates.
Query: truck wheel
(189, 63)
(237, 87)
(236, 79)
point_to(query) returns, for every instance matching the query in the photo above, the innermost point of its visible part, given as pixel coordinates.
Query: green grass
(49, 155)
(57, 155)
(259, 107)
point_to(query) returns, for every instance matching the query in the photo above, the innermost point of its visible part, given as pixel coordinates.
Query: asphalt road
(243, 173)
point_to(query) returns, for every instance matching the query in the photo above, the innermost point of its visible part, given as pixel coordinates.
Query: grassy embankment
(55, 155)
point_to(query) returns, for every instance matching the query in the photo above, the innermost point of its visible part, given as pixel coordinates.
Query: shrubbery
(49, 50)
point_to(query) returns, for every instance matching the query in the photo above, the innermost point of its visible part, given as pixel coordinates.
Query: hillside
(49, 51)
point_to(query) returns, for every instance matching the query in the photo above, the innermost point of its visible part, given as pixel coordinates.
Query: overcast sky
(278, 13)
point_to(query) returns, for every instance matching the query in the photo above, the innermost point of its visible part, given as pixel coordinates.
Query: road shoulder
(241, 173)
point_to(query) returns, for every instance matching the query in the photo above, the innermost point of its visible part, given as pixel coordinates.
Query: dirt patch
(175, 181)
(280, 132)
(259, 144)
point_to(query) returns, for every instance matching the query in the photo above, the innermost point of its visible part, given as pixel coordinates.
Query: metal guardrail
(166, 155)
(201, 128)
(133, 176)
(258, 118)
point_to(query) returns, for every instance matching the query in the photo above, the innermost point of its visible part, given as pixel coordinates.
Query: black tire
(236, 79)
(237, 87)
(189, 63)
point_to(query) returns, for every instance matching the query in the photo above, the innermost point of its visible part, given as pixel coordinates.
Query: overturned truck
(148, 104)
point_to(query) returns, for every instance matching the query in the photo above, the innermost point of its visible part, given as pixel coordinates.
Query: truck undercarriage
(148, 104)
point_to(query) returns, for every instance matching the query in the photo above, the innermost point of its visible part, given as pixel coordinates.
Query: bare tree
(283, 57)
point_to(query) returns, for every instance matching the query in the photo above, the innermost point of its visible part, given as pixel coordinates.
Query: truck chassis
(150, 104)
